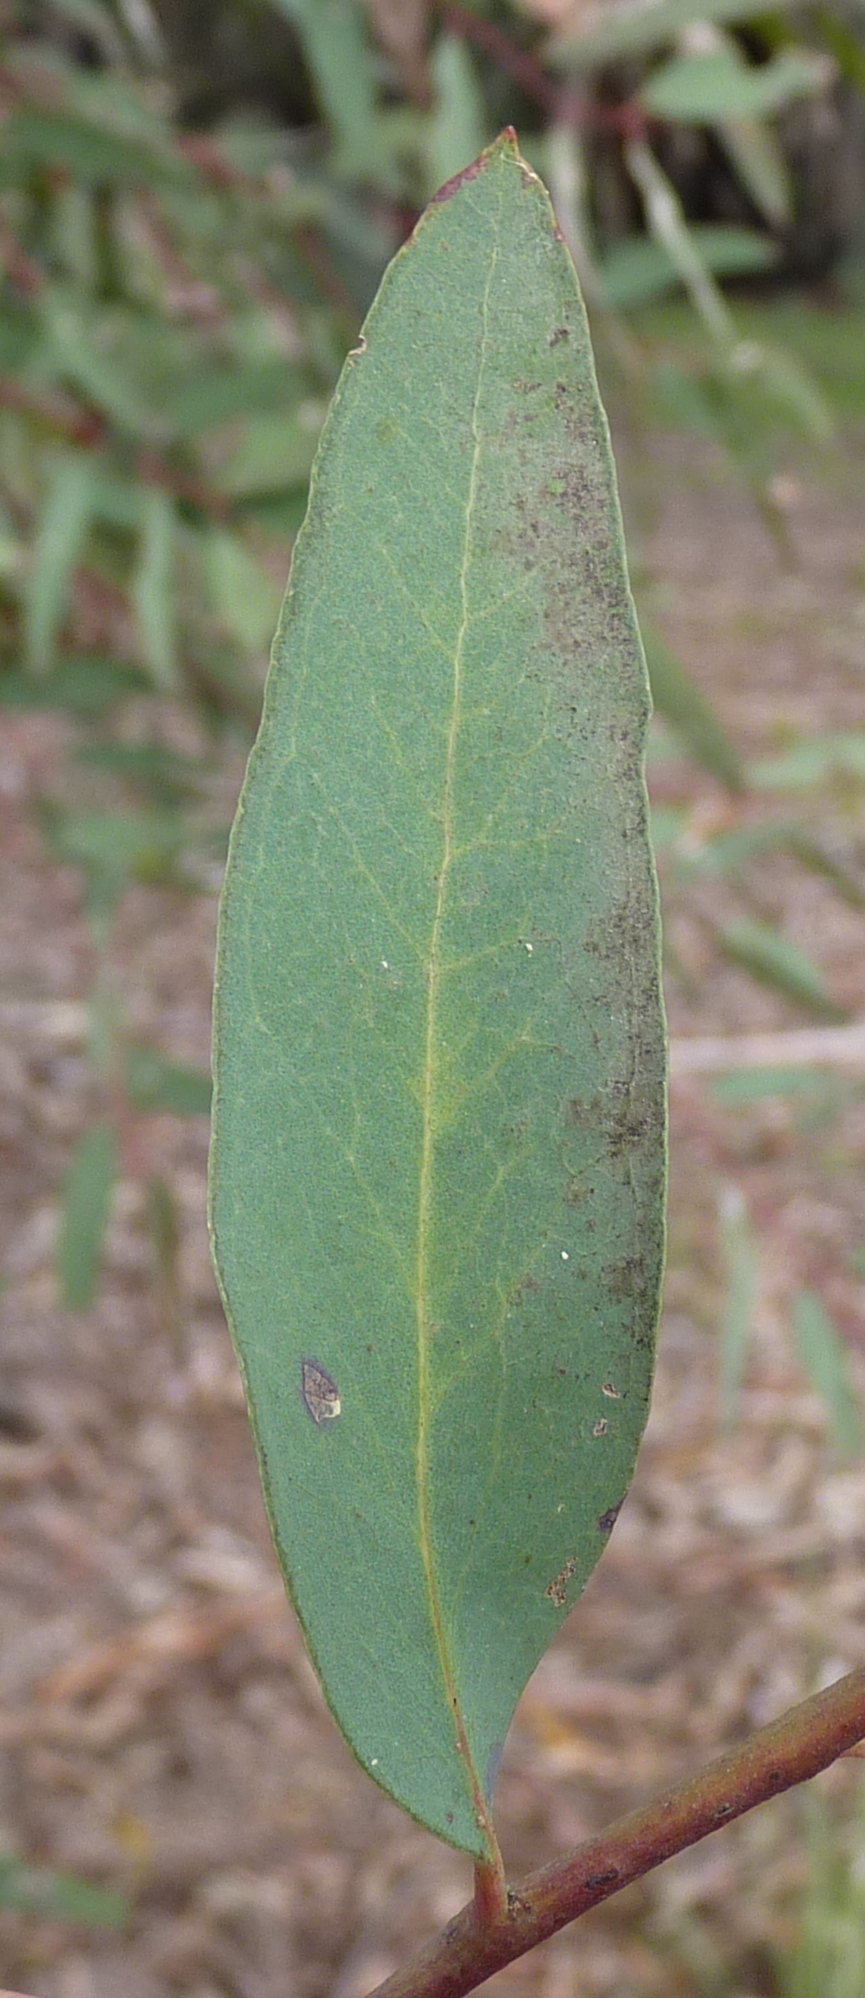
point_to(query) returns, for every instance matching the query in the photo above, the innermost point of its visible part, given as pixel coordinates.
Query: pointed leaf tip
(506, 146)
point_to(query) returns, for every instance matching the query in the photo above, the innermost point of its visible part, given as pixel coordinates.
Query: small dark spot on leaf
(319, 1392)
(600, 1427)
(559, 333)
(608, 1519)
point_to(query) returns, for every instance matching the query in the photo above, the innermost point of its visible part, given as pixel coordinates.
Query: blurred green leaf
(780, 964)
(274, 453)
(70, 503)
(638, 26)
(457, 129)
(826, 1362)
(94, 124)
(86, 686)
(677, 697)
(342, 63)
(83, 357)
(667, 224)
(170, 776)
(154, 586)
(741, 1275)
(816, 854)
(212, 396)
(777, 378)
(155, 1083)
(116, 847)
(848, 48)
(698, 89)
(243, 593)
(37, 1890)
(757, 156)
(84, 1217)
(815, 761)
(163, 1222)
(637, 268)
(686, 398)
(728, 852)
(753, 1085)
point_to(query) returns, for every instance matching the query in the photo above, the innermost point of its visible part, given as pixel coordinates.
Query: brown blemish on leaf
(608, 1519)
(559, 333)
(556, 1590)
(508, 142)
(458, 180)
(600, 1427)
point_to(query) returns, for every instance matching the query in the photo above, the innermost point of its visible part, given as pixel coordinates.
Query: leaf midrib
(428, 1106)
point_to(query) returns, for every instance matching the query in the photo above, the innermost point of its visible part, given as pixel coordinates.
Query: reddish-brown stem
(491, 1893)
(791, 1749)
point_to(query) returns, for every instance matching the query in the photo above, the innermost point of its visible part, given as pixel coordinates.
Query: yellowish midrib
(428, 1111)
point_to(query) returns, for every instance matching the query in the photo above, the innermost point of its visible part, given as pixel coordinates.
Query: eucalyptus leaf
(437, 1176)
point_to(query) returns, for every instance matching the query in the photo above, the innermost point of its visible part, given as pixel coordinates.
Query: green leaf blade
(437, 1177)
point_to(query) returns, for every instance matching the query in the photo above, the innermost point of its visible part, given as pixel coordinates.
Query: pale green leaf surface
(438, 1165)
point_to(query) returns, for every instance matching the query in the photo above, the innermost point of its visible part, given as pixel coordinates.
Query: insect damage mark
(319, 1392)
(608, 1519)
(557, 1589)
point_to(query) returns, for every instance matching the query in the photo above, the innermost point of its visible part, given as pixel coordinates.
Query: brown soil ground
(161, 1730)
